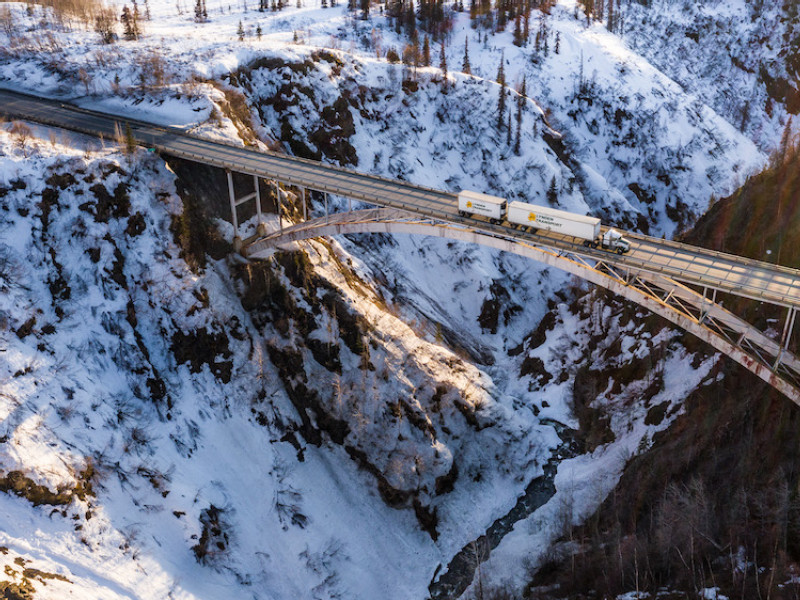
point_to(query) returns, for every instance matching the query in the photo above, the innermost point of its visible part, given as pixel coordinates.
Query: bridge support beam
(278, 204)
(237, 241)
(786, 336)
(260, 228)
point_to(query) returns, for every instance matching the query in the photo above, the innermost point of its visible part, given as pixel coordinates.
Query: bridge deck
(690, 264)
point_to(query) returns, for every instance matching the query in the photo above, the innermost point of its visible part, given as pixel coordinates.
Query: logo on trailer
(531, 216)
(469, 204)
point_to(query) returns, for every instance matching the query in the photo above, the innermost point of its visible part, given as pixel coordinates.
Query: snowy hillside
(139, 395)
(738, 57)
(345, 418)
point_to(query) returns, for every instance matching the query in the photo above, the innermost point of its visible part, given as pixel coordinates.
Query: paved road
(690, 264)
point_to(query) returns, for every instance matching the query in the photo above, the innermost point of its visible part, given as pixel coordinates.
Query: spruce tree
(127, 23)
(501, 16)
(518, 31)
(240, 32)
(259, 31)
(130, 141)
(135, 21)
(443, 65)
(552, 192)
(465, 66)
(509, 129)
(426, 52)
(526, 27)
(501, 81)
(520, 105)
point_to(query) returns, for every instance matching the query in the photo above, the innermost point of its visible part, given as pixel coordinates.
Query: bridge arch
(681, 305)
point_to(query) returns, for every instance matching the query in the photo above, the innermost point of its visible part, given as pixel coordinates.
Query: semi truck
(534, 217)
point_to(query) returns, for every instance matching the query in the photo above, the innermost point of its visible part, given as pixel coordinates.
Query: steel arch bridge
(661, 275)
(695, 312)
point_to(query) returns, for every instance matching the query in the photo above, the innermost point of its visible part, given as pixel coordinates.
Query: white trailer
(475, 203)
(551, 219)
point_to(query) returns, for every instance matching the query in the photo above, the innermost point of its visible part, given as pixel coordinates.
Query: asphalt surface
(689, 264)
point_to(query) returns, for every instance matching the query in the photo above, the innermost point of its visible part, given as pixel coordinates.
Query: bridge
(676, 281)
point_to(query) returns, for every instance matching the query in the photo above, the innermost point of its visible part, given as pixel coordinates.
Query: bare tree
(23, 134)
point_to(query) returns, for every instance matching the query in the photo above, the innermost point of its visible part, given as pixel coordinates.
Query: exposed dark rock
(204, 347)
(26, 328)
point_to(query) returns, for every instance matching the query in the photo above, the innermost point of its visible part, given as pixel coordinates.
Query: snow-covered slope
(738, 57)
(338, 421)
(118, 358)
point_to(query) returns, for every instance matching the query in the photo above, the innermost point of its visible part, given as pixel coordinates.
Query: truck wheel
(620, 251)
(594, 245)
(586, 243)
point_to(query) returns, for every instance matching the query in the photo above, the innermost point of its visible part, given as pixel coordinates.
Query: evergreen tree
(409, 19)
(526, 27)
(426, 52)
(130, 141)
(259, 31)
(146, 10)
(610, 22)
(240, 32)
(552, 192)
(520, 105)
(127, 23)
(558, 42)
(509, 129)
(465, 66)
(518, 31)
(501, 103)
(135, 17)
(501, 16)
(443, 65)
(365, 9)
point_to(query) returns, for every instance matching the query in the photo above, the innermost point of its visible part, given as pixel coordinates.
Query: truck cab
(614, 241)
